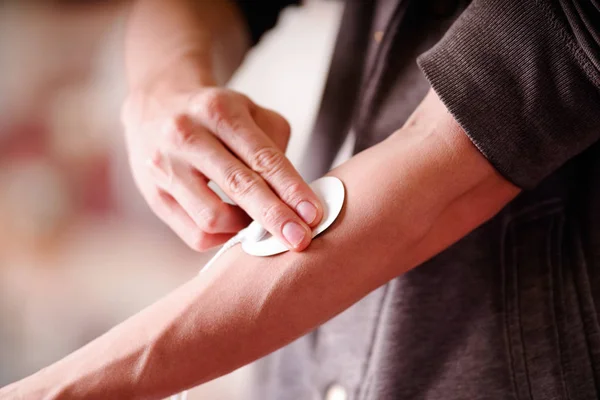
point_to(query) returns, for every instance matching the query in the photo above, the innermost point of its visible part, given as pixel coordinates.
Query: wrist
(183, 73)
(166, 87)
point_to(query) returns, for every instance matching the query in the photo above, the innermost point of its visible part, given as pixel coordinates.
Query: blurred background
(79, 249)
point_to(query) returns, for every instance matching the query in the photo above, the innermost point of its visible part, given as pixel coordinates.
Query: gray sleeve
(522, 78)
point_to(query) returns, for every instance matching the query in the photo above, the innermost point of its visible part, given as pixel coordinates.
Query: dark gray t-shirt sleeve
(262, 15)
(522, 78)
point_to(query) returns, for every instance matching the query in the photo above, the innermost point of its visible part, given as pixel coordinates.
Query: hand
(178, 142)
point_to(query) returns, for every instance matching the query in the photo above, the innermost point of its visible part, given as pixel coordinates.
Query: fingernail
(307, 211)
(293, 233)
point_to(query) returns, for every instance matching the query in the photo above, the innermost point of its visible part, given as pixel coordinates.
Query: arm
(184, 42)
(436, 188)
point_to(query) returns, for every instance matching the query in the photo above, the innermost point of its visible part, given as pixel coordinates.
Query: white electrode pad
(331, 193)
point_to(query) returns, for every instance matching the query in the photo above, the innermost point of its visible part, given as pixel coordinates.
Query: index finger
(233, 125)
(251, 193)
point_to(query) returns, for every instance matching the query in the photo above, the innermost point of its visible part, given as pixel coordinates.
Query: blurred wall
(79, 249)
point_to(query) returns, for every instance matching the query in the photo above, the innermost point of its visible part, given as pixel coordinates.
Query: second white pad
(331, 193)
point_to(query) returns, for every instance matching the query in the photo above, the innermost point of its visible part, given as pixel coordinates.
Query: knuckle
(268, 161)
(292, 192)
(233, 123)
(160, 170)
(179, 131)
(215, 104)
(156, 164)
(240, 182)
(222, 113)
(209, 219)
(273, 215)
(156, 159)
(222, 124)
(198, 240)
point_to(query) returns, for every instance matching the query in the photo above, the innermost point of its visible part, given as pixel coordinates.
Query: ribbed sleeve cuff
(517, 81)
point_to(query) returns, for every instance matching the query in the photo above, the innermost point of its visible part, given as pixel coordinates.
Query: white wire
(228, 245)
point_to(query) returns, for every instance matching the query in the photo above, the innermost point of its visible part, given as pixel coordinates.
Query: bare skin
(183, 130)
(437, 188)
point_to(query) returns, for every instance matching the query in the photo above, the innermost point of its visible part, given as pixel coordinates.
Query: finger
(204, 207)
(273, 124)
(235, 127)
(247, 189)
(172, 214)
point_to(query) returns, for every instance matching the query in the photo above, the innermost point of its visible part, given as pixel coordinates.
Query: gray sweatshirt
(511, 310)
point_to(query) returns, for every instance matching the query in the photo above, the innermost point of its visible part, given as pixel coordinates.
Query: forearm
(407, 199)
(182, 43)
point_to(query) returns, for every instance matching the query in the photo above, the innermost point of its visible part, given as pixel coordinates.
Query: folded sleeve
(262, 15)
(522, 79)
